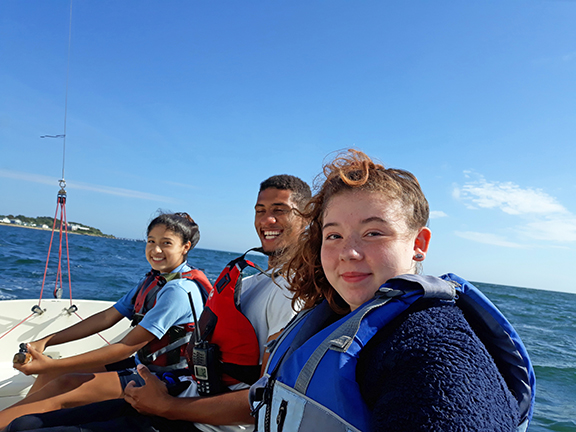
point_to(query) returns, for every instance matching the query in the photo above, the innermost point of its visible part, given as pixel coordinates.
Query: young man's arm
(224, 409)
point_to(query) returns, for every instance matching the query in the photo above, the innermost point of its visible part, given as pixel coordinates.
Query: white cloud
(509, 197)
(36, 178)
(558, 230)
(435, 214)
(129, 193)
(456, 192)
(542, 216)
(487, 238)
(183, 185)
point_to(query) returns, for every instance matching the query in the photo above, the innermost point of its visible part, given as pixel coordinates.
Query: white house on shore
(71, 226)
(78, 227)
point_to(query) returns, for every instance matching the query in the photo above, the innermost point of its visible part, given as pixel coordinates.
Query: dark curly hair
(349, 171)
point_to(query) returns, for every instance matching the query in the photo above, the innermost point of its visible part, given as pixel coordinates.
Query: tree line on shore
(46, 222)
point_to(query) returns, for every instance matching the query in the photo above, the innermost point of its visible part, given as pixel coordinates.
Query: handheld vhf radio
(204, 362)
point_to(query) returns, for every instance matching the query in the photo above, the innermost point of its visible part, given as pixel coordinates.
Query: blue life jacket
(310, 383)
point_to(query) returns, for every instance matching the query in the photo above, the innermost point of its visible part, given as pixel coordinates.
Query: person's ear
(421, 243)
(187, 247)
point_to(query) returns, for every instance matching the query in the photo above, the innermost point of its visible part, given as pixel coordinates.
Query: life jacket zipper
(268, 401)
(281, 415)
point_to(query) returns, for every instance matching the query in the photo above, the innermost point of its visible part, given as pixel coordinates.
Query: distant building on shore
(78, 227)
(46, 223)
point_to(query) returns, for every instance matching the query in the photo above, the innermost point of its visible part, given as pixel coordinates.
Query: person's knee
(24, 423)
(65, 383)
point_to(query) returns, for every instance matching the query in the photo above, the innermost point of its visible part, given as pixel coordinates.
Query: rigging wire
(60, 204)
(63, 135)
(61, 198)
(66, 93)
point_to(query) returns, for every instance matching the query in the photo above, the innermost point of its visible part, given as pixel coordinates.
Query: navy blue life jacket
(310, 383)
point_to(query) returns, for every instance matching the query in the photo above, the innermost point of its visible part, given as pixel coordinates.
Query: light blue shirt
(172, 304)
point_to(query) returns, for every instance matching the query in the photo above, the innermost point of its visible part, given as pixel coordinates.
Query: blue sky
(188, 105)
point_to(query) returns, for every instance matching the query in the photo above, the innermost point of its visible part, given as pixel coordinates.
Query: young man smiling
(265, 302)
(276, 222)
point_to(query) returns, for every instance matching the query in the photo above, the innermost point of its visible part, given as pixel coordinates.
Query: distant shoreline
(50, 229)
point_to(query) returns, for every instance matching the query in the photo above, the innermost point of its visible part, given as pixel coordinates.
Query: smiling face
(365, 242)
(276, 223)
(164, 249)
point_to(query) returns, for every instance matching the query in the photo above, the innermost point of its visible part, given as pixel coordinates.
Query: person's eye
(373, 234)
(333, 237)
(150, 241)
(260, 211)
(279, 211)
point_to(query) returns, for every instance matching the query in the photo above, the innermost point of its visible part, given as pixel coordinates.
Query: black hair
(180, 223)
(301, 193)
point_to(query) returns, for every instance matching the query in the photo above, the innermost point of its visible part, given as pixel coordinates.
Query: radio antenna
(196, 328)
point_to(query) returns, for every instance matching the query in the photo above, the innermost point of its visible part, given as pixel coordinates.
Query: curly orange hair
(349, 171)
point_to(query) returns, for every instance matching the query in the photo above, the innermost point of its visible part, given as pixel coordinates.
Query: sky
(187, 105)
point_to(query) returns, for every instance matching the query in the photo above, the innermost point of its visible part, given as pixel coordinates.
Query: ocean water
(105, 269)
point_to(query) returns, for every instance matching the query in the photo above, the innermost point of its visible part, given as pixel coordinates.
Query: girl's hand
(39, 345)
(39, 363)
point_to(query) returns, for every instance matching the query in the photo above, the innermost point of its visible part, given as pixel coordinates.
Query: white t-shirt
(268, 306)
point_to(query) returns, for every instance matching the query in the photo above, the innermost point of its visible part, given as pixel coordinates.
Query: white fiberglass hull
(13, 384)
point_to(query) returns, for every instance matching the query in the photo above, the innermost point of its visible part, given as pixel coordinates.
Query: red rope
(67, 255)
(102, 337)
(60, 204)
(21, 322)
(49, 250)
(59, 270)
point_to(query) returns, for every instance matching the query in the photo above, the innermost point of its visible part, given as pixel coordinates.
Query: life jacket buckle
(389, 292)
(341, 344)
(259, 392)
(136, 318)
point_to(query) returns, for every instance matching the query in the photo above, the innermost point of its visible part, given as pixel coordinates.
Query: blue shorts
(127, 372)
(128, 375)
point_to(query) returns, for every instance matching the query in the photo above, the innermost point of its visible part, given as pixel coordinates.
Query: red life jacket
(223, 323)
(168, 352)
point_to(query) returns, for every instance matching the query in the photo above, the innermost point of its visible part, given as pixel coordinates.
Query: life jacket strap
(223, 324)
(243, 373)
(183, 364)
(178, 343)
(339, 340)
(145, 297)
